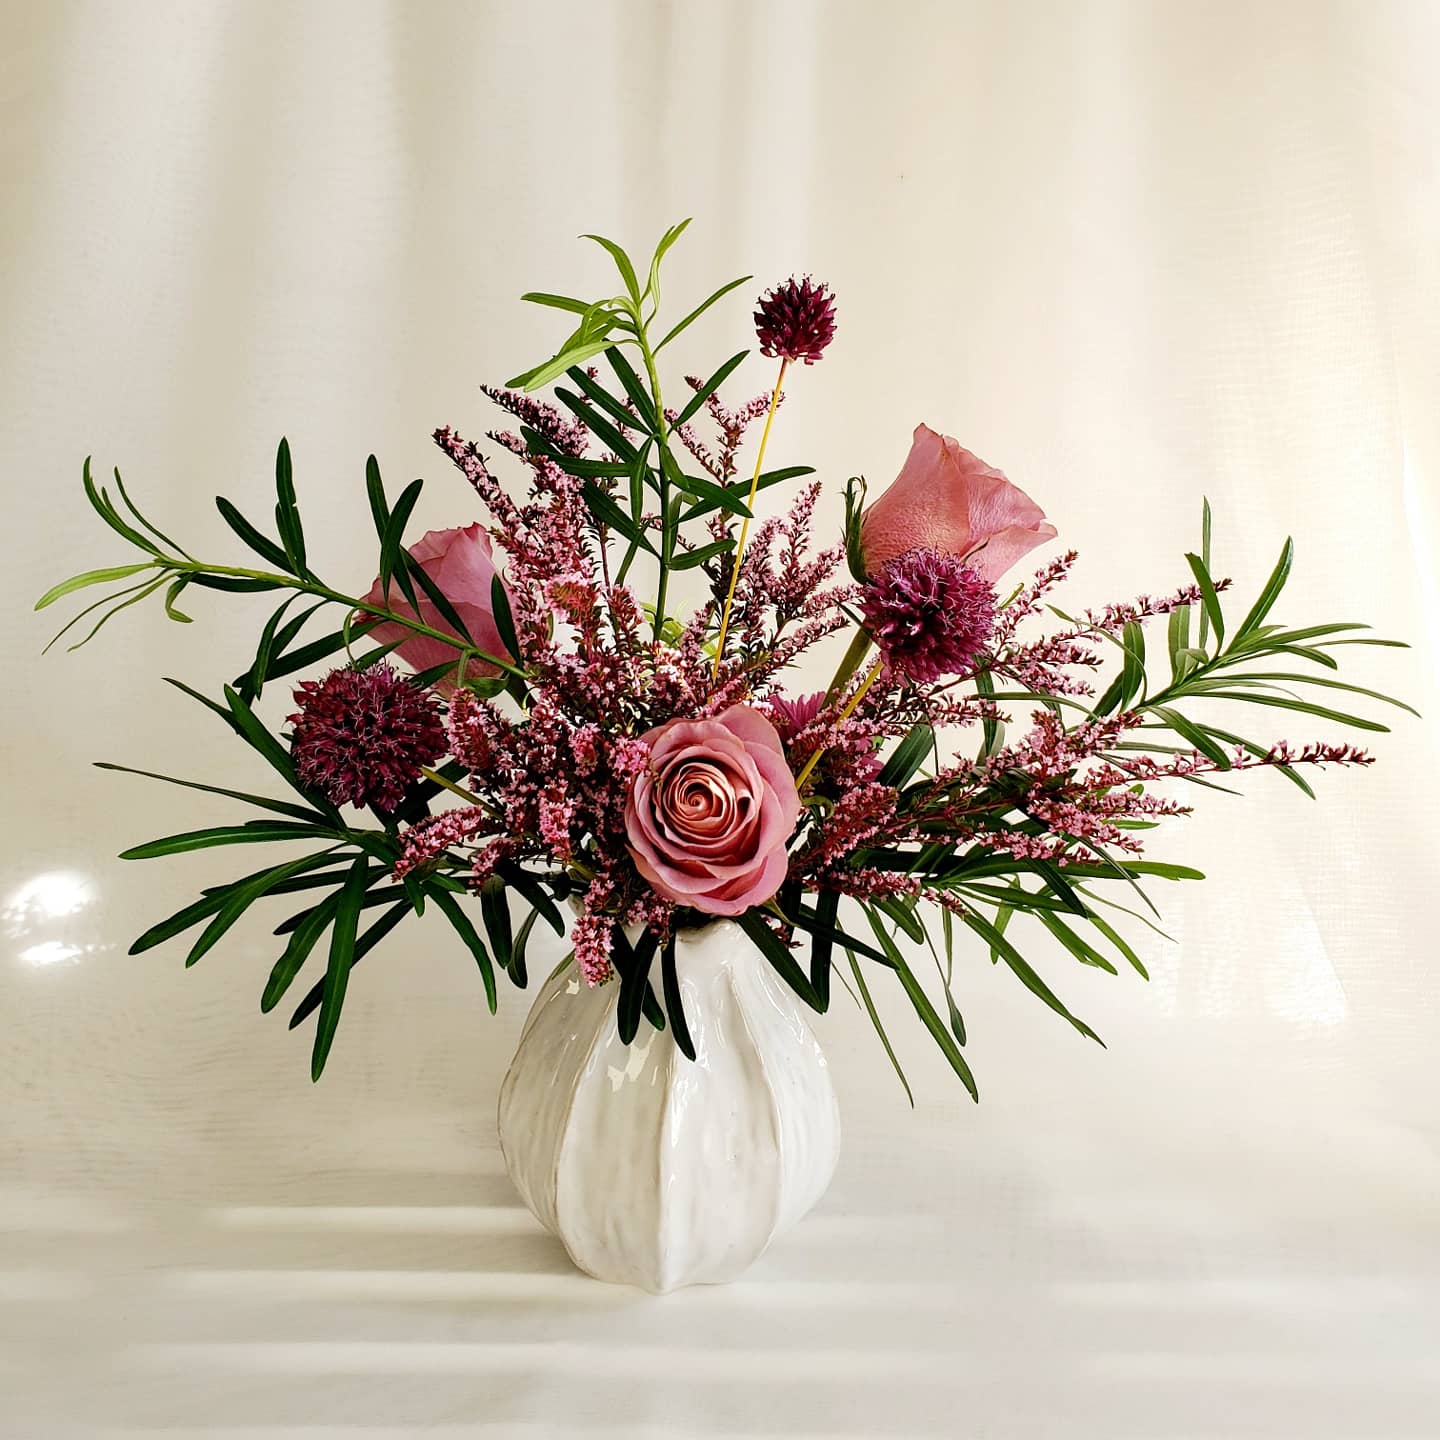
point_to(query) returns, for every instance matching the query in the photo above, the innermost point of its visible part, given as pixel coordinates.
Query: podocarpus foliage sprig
(995, 758)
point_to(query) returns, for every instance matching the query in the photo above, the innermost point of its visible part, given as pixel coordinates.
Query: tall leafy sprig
(608, 326)
(985, 888)
(168, 565)
(352, 862)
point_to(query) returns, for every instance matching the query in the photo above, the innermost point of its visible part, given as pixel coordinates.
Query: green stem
(309, 587)
(667, 538)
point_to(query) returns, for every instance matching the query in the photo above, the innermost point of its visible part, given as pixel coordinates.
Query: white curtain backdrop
(1133, 253)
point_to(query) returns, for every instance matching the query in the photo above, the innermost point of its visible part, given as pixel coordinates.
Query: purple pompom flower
(361, 736)
(929, 613)
(796, 320)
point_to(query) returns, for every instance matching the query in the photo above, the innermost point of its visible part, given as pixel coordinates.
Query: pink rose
(949, 500)
(709, 816)
(459, 563)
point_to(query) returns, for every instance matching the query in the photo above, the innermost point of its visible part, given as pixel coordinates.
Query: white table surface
(1219, 1228)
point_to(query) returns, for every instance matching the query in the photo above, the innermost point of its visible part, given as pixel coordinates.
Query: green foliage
(641, 493)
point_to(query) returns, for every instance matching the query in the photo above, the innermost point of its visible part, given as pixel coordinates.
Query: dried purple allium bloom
(929, 613)
(796, 320)
(361, 736)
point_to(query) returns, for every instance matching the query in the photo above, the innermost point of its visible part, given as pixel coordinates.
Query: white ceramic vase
(658, 1171)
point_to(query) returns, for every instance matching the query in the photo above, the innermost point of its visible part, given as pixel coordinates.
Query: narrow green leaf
(262, 545)
(234, 584)
(604, 430)
(556, 302)
(779, 956)
(504, 620)
(741, 489)
(337, 975)
(104, 507)
(173, 594)
(613, 406)
(1133, 671)
(822, 944)
(608, 513)
(674, 1004)
(264, 802)
(1179, 642)
(450, 907)
(1119, 942)
(1271, 593)
(693, 559)
(1281, 702)
(363, 946)
(297, 950)
(700, 309)
(633, 386)
(242, 896)
(518, 972)
(1211, 613)
(287, 513)
(91, 577)
(709, 388)
(395, 534)
(1193, 734)
(1022, 970)
(375, 492)
(143, 520)
(250, 685)
(495, 912)
(622, 264)
(908, 756)
(1079, 947)
(261, 740)
(558, 364)
(634, 965)
(713, 496)
(529, 887)
(1325, 683)
(254, 832)
(652, 287)
(879, 1028)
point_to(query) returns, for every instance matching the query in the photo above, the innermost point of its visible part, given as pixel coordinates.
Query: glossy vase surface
(655, 1170)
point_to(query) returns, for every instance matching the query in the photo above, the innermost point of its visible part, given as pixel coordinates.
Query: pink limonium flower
(460, 564)
(361, 736)
(930, 614)
(708, 819)
(796, 320)
(951, 501)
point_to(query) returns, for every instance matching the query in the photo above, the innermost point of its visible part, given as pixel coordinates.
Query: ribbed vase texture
(658, 1171)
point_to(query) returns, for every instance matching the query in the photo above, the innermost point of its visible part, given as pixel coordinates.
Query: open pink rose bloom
(708, 819)
(460, 564)
(948, 500)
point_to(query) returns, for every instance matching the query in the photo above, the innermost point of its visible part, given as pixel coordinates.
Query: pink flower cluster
(663, 786)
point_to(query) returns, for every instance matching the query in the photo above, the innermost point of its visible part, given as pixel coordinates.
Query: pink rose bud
(708, 819)
(947, 500)
(459, 563)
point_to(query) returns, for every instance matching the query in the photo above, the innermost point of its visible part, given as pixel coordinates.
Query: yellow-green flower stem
(308, 587)
(745, 523)
(859, 647)
(467, 795)
(840, 719)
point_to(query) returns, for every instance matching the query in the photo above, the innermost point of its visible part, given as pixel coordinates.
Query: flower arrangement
(502, 716)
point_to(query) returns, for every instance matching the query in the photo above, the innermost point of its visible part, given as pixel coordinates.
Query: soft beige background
(1132, 252)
